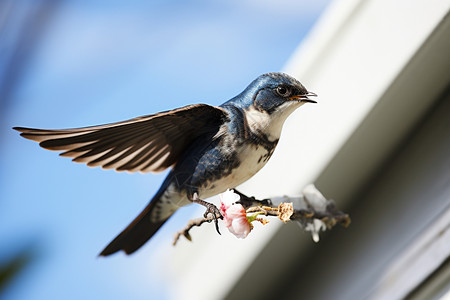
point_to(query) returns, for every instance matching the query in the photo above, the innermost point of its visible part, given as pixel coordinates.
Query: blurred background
(66, 64)
(377, 142)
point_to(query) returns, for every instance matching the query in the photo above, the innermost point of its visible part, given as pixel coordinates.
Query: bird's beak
(305, 98)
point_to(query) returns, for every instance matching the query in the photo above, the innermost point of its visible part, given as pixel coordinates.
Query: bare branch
(311, 210)
(190, 224)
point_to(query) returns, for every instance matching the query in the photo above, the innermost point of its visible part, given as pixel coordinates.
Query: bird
(208, 149)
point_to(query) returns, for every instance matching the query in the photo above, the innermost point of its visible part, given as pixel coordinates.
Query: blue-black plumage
(208, 148)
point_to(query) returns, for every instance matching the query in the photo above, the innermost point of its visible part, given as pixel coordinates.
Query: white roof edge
(314, 134)
(327, 29)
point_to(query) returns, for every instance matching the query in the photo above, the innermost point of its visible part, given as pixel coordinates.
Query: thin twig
(190, 224)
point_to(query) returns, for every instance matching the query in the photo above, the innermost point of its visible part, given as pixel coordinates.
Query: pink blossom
(234, 215)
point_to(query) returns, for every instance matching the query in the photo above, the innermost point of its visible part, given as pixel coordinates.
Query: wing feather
(147, 144)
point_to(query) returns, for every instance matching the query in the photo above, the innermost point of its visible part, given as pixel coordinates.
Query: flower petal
(240, 227)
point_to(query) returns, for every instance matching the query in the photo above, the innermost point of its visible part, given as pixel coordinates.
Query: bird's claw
(210, 209)
(252, 201)
(215, 212)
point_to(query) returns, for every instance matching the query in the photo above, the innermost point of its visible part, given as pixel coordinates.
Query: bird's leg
(252, 201)
(210, 209)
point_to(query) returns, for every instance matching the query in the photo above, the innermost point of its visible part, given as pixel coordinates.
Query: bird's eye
(283, 91)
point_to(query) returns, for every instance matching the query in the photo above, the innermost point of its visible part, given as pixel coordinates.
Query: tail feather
(136, 234)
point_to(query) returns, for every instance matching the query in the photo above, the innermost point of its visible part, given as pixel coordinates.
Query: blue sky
(104, 61)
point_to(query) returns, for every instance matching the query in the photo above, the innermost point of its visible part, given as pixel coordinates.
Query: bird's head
(277, 91)
(269, 100)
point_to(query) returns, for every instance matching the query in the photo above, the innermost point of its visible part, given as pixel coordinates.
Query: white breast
(252, 159)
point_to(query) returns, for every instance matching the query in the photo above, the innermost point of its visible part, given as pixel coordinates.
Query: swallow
(208, 149)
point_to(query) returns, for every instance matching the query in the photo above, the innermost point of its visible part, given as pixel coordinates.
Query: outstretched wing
(147, 144)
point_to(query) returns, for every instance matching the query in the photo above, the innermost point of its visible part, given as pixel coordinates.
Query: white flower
(229, 197)
(234, 215)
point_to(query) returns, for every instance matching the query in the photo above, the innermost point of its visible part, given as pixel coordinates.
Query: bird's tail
(138, 232)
